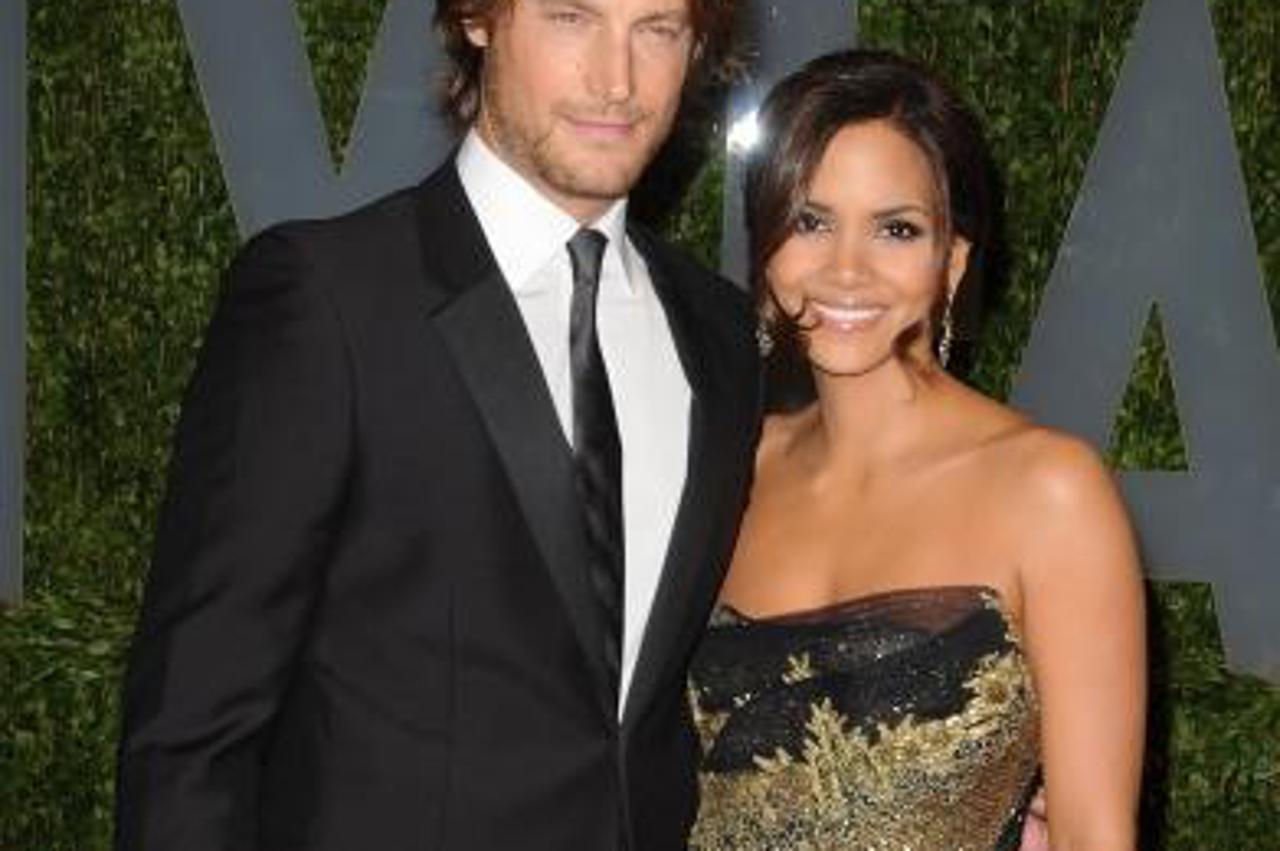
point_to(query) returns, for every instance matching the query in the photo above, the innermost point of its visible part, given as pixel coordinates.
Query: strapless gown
(903, 721)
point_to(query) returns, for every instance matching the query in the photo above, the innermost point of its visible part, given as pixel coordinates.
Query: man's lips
(603, 127)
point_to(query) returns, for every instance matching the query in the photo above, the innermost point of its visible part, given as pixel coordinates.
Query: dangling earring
(948, 335)
(764, 339)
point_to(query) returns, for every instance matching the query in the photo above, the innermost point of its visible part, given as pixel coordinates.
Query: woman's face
(869, 256)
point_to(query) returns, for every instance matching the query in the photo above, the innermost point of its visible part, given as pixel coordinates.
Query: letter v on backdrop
(256, 78)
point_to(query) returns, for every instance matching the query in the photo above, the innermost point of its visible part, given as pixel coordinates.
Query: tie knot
(586, 251)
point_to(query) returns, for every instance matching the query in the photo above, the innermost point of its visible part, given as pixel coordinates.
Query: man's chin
(599, 183)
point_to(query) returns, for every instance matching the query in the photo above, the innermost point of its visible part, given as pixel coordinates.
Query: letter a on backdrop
(1163, 219)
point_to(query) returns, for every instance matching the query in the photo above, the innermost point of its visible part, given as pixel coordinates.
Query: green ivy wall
(130, 226)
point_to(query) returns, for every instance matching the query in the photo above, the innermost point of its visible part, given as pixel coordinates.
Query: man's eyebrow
(673, 14)
(580, 5)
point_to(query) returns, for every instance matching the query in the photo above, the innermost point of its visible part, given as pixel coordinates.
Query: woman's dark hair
(798, 120)
(712, 22)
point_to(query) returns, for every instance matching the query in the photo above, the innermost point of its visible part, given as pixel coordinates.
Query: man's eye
(810, 222)
(566, 16)
(668, 31)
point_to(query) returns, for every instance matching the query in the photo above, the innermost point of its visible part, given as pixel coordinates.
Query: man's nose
(610, 71)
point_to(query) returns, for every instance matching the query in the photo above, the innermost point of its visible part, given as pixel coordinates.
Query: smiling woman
(871, 255)
(898, 626)
(933, 237)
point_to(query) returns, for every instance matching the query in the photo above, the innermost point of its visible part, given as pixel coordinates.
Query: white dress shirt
(529, 235)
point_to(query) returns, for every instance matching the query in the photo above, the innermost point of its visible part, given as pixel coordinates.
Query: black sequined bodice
(903, 721)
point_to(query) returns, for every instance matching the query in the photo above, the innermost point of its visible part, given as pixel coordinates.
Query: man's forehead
(632, 8)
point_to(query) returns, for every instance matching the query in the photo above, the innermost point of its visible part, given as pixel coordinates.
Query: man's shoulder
(390, 217)
(369, 258)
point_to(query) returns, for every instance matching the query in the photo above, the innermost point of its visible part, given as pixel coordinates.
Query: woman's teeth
(848, 317)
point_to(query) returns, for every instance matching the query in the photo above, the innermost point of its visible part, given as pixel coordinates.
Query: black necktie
(596, 448)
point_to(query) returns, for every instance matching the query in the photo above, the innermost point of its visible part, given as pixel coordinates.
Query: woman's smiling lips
(848, 317)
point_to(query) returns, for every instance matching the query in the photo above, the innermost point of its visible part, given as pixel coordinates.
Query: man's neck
(584, 209)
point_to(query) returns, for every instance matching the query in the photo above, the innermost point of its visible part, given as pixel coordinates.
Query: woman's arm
(1084, 624)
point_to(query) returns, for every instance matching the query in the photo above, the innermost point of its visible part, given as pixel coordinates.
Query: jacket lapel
(484, 332)
(722, 423)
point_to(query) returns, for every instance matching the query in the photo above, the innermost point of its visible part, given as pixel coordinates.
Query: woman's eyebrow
(899, 209)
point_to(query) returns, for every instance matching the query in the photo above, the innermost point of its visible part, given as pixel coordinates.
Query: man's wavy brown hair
(712, 22)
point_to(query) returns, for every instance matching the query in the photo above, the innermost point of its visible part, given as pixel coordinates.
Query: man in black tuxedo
(455, 481)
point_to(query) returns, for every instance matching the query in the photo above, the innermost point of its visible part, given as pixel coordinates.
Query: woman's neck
(864, 423)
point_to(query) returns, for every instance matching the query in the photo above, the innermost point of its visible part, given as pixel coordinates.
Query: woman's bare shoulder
(1067, 512)
(1040, 475)
(1054, 469)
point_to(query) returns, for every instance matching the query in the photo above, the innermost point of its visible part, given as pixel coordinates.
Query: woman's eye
(901, 229)
(809, 222)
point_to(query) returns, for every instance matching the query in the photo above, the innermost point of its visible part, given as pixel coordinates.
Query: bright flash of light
(744, 134)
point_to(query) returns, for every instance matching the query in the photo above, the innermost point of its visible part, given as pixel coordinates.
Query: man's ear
(477, 30)
(957, 263)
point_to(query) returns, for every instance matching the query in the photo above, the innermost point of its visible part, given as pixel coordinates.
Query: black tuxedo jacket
(368, 622)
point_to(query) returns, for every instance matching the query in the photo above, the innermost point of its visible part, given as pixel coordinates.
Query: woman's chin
(845, 364)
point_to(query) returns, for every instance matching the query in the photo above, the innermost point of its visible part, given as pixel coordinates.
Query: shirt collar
(524, 229)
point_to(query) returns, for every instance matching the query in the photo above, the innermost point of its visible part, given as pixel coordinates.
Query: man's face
(579, 94)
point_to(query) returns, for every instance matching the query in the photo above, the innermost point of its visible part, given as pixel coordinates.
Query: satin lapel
(486, 336)
(721, 439)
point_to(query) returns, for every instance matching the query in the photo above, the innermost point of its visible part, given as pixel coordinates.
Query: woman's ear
(957, 263)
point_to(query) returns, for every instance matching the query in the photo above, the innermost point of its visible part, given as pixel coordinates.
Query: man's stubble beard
(536, 154)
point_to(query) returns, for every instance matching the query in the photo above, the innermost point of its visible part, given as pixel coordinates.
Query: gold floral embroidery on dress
(708, 724)
(799, 669)
(938, 784)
